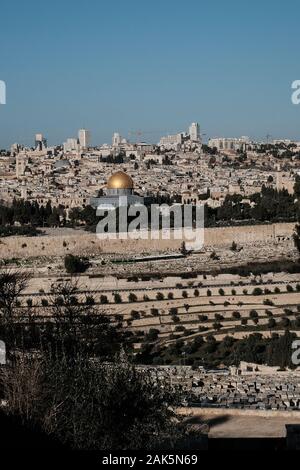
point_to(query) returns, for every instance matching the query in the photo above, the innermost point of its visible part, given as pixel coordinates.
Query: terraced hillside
(170, 308)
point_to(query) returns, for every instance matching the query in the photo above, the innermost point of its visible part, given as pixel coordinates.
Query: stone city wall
(87, 244)
(237, 412)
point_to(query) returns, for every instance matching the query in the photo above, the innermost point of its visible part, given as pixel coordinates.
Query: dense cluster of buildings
(178, 167)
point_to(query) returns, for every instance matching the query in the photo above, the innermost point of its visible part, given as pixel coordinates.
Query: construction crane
(268, 137)
(137, 134)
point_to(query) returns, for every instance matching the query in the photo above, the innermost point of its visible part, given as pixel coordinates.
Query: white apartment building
(227, 143)
(84, 138)
(117, 139)
(71, 145)
(171, 141)
(194, 132)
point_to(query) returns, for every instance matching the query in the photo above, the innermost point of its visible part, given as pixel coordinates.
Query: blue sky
(149, 65)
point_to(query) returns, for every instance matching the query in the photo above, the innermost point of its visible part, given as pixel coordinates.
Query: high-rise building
(40, 142)
(117, 139)
(84, 138)
(71, 145)
(194, 132)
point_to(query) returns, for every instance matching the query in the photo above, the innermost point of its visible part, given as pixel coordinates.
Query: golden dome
(120, 180)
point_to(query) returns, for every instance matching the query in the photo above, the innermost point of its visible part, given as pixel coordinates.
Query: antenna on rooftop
(268, 136)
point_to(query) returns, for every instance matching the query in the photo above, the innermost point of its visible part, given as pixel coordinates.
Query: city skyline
(81, 140)
(151, 67)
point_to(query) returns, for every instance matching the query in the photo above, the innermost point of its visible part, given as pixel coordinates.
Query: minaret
(21, 162)
(279, 180)
(24, 194)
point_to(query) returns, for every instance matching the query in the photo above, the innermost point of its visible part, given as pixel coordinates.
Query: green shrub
(75, 264)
